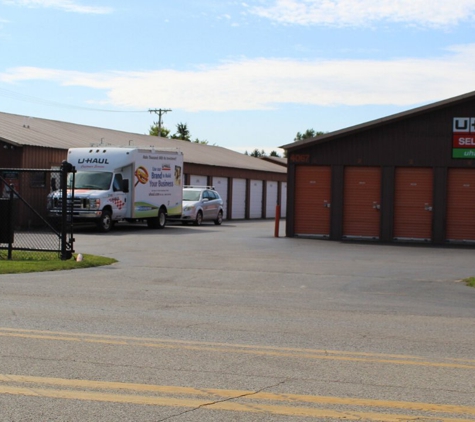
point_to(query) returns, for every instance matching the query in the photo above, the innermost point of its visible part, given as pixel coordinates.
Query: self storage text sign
(463, 137)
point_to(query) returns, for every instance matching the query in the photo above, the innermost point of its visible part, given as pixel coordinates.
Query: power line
(35, 100)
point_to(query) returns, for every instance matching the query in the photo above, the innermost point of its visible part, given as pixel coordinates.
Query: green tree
(309, 133)
(203, 142)
(153, 131)
(274, 154)
(182, 132)
(257, 153)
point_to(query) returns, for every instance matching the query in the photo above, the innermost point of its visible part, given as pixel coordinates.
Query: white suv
(201, 203)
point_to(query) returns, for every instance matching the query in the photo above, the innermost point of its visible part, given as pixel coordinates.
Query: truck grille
(79, 204)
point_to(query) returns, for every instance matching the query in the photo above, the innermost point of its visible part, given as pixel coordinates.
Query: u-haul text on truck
(119, 183)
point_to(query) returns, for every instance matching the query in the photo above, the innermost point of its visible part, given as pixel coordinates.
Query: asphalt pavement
(199, 323)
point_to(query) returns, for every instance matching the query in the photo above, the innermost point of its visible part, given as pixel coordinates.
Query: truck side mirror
(125, 185)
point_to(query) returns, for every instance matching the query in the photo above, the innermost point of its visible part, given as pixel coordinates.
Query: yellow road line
(237, 348)
(302, 355)
(226, 405)
(191, 342)
(41, 337)
(213, 394)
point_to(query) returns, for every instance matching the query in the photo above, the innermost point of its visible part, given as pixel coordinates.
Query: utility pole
(160, 112)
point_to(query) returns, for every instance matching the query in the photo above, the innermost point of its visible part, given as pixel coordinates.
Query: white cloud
(65, 5)
(263, 84)
(433, 13)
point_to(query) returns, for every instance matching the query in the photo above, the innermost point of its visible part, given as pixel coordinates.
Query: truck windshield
(96, 180)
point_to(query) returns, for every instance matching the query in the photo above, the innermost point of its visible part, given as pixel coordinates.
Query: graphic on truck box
(142, 175)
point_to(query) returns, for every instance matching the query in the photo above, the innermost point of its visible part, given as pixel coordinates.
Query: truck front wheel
(105, 222)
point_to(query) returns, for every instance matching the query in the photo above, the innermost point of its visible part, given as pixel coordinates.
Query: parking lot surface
(217, 323)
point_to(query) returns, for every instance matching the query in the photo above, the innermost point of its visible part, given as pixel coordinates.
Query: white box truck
(123, 183)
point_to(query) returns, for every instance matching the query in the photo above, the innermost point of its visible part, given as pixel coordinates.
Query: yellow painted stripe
(213, 393)
(85, 336)
(41, 337)
(226, 405)
(311, 356)
(126, 339)
(233, 348)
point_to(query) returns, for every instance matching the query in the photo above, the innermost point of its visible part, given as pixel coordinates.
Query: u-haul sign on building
(463, 137)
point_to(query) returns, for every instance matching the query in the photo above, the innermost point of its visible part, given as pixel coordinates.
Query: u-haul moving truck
(115, 183)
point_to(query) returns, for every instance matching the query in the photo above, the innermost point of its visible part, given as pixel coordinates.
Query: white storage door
(255, 210)
(221, 186)
(198, 180)
(283, 200)
(271, 198)
(239, 199)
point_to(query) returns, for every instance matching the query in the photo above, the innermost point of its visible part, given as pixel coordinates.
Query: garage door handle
(326, 204)
(427, 207)
(376, 206)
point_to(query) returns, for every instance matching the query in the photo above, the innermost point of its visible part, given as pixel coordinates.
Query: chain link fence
(26, 230)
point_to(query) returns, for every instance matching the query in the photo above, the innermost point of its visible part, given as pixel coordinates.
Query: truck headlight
(94, 204)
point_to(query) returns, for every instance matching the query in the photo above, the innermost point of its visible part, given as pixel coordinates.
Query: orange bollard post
(277, 220)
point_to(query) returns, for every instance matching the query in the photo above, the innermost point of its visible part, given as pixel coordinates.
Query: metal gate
(283, 199)
(413, 204)
(362, 200)
(221, 185)
(198, 180)
(239, 199)
(271, 198)
(312, 200)
(25, 228)
(461, 205)
(255, 199)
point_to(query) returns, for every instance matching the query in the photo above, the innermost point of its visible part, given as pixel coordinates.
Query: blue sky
(240, 74)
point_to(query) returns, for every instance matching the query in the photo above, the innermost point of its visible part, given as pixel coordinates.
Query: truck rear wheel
(105, 222)
(158, 222)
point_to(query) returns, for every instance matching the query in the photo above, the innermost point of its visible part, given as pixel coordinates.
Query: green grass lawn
(23, 262)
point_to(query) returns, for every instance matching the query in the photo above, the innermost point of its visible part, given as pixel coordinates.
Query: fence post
(65, 213)
(11, 223)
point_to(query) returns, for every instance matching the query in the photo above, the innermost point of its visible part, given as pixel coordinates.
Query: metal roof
(281, 161)
(380, 122)
(30, 131)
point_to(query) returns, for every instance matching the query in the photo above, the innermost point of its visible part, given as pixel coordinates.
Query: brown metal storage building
(406, 177)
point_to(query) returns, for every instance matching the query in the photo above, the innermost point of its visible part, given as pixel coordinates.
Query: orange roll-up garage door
(413, 203)
(312, 200)
(461, 205)
(361, 202)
